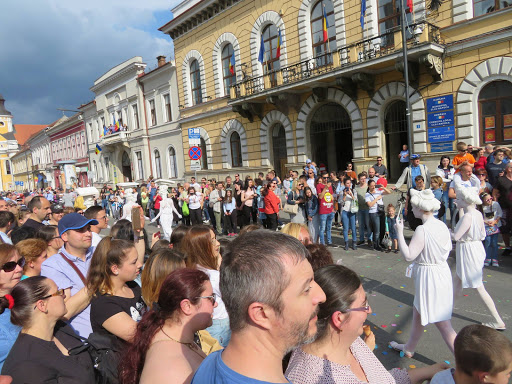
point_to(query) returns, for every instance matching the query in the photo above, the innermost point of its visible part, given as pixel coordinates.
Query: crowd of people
(84, 303)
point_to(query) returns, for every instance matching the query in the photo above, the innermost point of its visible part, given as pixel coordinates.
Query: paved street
(391, 296)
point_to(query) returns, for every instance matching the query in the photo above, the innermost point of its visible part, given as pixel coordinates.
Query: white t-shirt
(220, 311)
(194, 201)
(368, 197)
(96, 238)
(491, 212)
(311, 184)
(348, 200)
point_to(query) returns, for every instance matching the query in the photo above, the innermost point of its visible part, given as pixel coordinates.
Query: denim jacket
(312, 206)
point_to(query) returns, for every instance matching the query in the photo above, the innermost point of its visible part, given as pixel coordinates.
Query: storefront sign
(441, 134)
(440, 119)
(441, 103)
(441, 147)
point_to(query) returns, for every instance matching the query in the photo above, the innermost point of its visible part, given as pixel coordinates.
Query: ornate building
(268, 87)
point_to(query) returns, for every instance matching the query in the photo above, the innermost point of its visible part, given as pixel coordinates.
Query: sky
(52, 51)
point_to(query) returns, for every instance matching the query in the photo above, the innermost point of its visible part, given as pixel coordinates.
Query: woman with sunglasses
(339, 355)
(202, 251)
(11, 270)
(164, 348)
(41, 353)
(116, 300)
(296, 197)
(485, 186)
(492, 213)
(271, 205)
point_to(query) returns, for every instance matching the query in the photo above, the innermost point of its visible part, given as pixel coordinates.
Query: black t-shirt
(493, 171)
(33, 224)
(34, 361)
(103, 307)
(504, 186)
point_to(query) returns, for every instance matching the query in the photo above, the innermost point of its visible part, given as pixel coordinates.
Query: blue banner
(441, 147)
(441, 103)
(438, 119)
(441, 134)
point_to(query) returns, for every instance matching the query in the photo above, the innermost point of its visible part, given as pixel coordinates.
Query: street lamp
(406, 78)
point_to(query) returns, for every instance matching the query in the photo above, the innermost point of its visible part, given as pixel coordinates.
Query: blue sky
(53, 50)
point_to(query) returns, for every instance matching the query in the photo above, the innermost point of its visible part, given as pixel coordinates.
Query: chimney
(161, 60)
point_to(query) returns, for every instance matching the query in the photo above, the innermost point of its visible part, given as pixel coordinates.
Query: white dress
(167, 210)
(471, 252)
(433, 297)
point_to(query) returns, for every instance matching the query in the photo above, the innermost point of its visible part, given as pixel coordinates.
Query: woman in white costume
(167, 211)
(429, 248)
(469, 234)
(131, 201)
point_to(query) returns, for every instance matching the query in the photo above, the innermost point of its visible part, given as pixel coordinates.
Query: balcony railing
(116, 137)
(360, 52)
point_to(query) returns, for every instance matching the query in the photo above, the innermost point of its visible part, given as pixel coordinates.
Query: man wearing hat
(414, 169)
(309, 166)
(68, 268)
(57, 211)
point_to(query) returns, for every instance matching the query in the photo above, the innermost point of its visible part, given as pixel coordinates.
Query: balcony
(350, 66)
(121, 137)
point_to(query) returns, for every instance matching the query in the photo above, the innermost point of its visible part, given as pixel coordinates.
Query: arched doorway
(331, 137)
(495, 111)
(126, 167)
(279, 149)
(395, 129)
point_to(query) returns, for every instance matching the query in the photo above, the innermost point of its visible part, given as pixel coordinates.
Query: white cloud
(53, 50)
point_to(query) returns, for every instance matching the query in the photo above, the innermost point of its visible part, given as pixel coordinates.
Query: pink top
(309, 369)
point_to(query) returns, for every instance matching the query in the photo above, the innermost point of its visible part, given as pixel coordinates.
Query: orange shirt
(458, 159)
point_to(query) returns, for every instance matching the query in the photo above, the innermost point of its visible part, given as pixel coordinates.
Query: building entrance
(395, 129)
(126, 167)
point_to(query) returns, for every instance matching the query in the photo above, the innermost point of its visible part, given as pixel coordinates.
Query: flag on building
(363, 12)
(98, 149)
(410, 6)
(232, 64)
(278, 51)
(262, 51)
(325, 25)
(104, 130)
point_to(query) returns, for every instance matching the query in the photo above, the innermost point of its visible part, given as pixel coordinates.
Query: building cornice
(132, 67)
(479, 41)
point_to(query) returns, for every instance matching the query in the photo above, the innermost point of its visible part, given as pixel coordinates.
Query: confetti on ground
(400, 306)
(390, 347)
(389, 268)
(374, 294)
(398, 332)
(361, 275)
(384, 353)
(412, 366)
(402, 287)
(393, 325)
(376, 346)
(374, 314)
(465, 295)
(397, 315)
(367, 266)
(425, 330)
(402, 354)
(384, 326)
(447, 362)
(376, 327)
(489, 275)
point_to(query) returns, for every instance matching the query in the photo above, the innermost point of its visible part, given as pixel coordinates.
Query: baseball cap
(57, 208)
(415, 156)
(308, 161)
(74, 221)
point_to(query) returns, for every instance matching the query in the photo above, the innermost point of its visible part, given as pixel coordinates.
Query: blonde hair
(31, 249)
(438, 180)
(293, 229)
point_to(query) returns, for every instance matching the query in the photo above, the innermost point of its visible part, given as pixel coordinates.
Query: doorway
(126, 167)
(395, 130)
(279, 149)
(331, 137)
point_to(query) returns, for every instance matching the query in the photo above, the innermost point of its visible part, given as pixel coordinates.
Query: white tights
(444, 327)
(484, 295)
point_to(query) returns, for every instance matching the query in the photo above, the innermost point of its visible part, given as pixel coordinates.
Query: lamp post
(406, 78)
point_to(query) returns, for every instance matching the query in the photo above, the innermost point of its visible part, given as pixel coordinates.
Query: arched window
(195, 82)
(481, 7)
(389, 19)
(158, 164)
(7, 167)
(270, 61)
(320, 47)
(204, 156)
(173, 164)
(495, 105)
(236, 149)
(228, 67)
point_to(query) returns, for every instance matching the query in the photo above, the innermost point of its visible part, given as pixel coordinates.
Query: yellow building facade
(22, 170)
(339, 97)
(8, 146)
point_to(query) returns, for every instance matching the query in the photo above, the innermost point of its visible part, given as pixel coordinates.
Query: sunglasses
(11, 265)
(212, 298)
(366, 308)
(59, 292)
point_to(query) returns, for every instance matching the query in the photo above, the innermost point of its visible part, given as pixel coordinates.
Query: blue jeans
(221, 331)
(105, 206)
(491, 246)
(375, 222)
(314, 227)
(364, 224)
(325, 227)
(349, 218)
(448, 204)
(206, 213)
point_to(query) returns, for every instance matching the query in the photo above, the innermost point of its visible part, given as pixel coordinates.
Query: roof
(24, 131)
(3, 111)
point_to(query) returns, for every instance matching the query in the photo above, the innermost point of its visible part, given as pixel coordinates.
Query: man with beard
(40, 210)
(272, 301)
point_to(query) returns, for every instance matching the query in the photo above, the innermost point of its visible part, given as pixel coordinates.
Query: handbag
(291, 208)
(184, 209)
(386, 241)
(489, 231)
(354, 208)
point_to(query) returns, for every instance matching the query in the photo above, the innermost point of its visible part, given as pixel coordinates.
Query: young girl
(312, 214)
(491, 210)
(117, 207)
(436, 185)
(229, 207)
(390, 227)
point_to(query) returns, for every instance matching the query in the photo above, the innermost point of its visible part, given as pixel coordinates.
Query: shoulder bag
(292, 209)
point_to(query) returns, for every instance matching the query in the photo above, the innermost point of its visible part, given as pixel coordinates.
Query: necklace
(193, 346)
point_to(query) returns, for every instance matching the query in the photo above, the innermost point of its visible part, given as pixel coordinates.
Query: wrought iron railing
(362, 51)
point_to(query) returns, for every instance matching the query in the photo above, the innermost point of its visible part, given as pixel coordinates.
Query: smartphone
(159, 234)
(136, 222)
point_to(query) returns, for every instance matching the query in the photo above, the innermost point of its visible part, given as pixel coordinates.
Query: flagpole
(406, 78)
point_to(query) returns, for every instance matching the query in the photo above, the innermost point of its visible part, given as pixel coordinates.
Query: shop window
(495, 111)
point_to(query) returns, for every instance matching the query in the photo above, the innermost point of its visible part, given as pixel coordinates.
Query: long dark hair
(441, 162)
(181, 284)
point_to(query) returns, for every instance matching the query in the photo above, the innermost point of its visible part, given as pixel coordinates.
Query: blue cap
(415, 156)
(74, 221)
(308, 161)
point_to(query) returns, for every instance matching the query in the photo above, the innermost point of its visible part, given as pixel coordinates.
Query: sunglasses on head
(11, 265)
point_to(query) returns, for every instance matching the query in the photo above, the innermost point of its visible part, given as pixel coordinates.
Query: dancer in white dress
(469, 234)
(131, 201)
(429, 248)
(166, 214)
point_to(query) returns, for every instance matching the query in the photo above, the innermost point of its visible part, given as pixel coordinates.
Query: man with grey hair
(272, 301)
